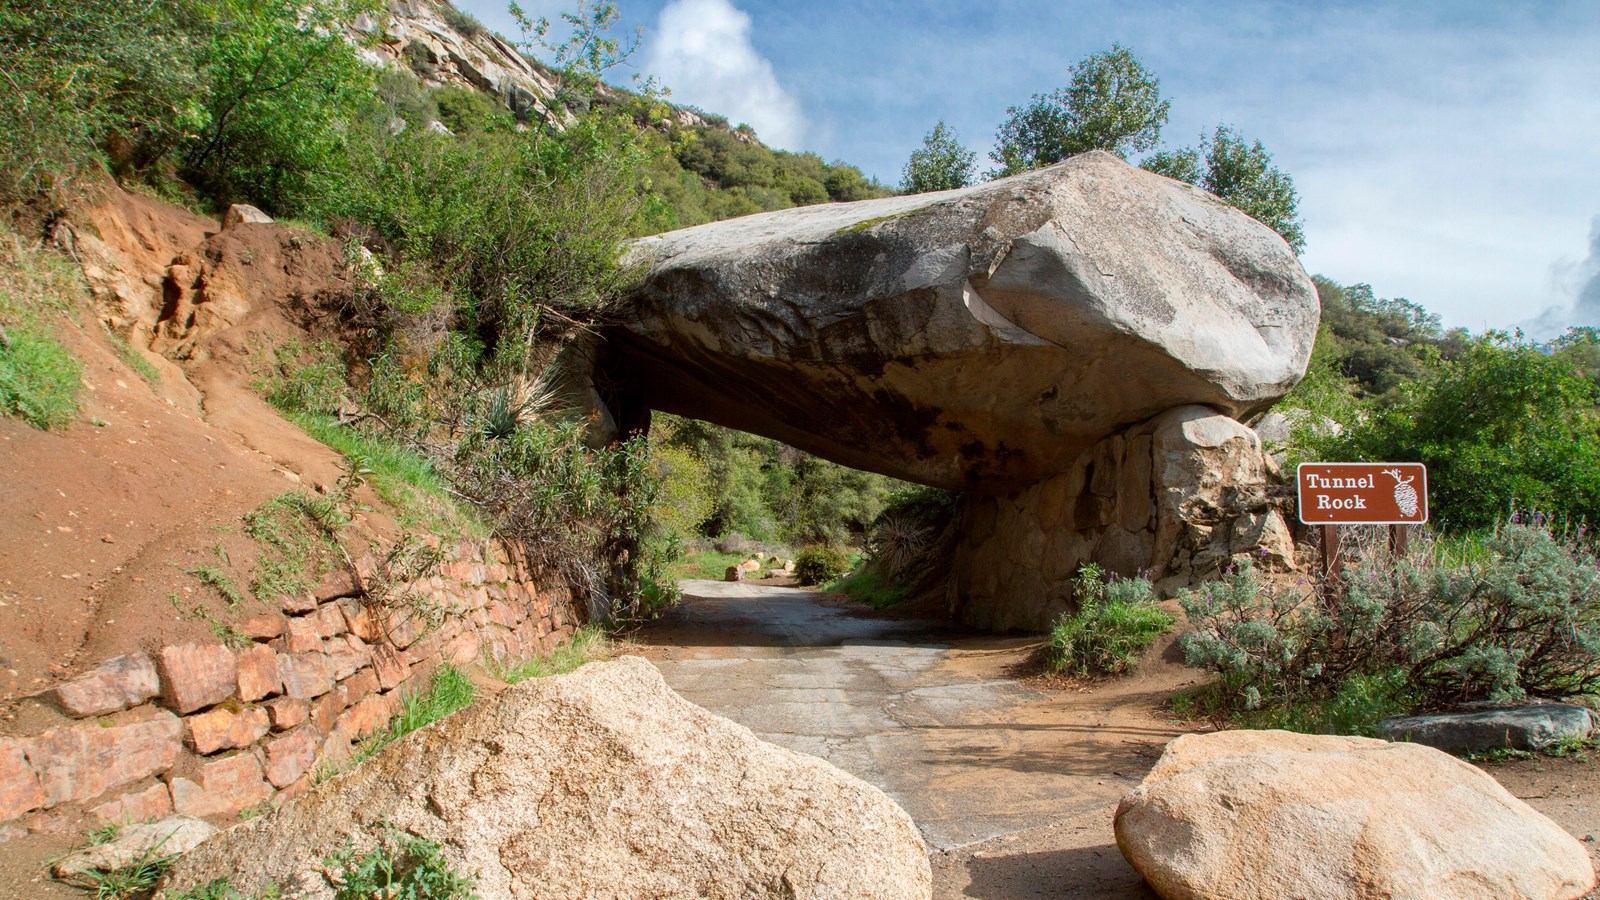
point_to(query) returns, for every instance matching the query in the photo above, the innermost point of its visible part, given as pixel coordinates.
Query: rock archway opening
(1075, 349)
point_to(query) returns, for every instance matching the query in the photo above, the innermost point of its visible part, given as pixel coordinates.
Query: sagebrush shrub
(1115, 623)
(1518, 615)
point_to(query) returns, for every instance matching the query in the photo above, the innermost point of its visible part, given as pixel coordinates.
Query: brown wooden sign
(1363, 493)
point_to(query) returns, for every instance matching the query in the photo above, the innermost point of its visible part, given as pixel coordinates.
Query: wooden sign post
(1337, 494)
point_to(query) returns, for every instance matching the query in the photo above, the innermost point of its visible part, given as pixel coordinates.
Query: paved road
(926, 715)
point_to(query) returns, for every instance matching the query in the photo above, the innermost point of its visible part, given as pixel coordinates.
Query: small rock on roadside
(170, 837)
(1532, 727)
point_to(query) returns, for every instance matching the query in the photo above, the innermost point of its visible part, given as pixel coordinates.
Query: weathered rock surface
(601, 783)
(1072, 347)
(1532, 727)
(114, 685)
(1176, 498)
(1242, 815)
(978, 339)
(132, 845)
(244, 214)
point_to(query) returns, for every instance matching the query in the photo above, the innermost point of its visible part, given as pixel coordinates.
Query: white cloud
(1580, 281)
(701, 50)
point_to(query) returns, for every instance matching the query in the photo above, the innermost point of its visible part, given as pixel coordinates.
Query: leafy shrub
(820, 564)
(1115, 623)
(584, 516)
(284, 84)
(402, 866)
(1519, 616)
(84, 74)
(304, 378)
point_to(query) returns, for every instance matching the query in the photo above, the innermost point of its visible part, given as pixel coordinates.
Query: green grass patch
(137, 879)
(866, 585)
(401, 477)
(588, 644)
(450, 690)
(39, 380)
(1355, 709)
(134, 359)
(1117, 620)
(295, 531)
(218, 580)
(706, 565)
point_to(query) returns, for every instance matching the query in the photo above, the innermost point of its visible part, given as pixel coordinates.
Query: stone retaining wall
(208, 730)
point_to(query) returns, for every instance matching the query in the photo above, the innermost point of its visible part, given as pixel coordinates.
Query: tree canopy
(940, 164)
(1112, 103)
(1241, 175)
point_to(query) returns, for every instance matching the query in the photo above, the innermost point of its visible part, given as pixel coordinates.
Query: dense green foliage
(1504, 424)
(1519, 616)
(940, 164)
(1116, 621)
(763, 490)
(246, 100)
(1240, 175)
(1378, 343)
(708, 172)
(1112, 103)
(820, 564)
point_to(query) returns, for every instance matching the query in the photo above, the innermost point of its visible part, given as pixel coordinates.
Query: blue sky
(1447, 152)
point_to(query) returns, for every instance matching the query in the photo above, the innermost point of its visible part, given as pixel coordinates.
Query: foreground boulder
(987, 340)
(1242, 815)
(602, 783)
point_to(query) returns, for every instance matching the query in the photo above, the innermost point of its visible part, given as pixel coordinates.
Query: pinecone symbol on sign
(1405, 496)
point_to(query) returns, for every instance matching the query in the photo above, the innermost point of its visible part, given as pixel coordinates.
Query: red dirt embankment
(103, 518)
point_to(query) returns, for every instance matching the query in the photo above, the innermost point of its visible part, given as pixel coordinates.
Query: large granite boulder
(1260, 815)
(979, 339)
(602, 783)
(1073, 347)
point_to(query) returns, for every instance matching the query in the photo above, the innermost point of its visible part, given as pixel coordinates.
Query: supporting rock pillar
(1175, 499)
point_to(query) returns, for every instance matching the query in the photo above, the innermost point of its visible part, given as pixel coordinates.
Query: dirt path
(1013, 785)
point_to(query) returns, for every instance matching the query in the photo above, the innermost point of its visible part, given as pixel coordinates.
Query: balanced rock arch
(1074, 348)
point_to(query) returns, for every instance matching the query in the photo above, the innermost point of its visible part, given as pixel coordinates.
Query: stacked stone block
(203, 729)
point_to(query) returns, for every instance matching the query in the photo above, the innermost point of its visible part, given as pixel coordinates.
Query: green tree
(285, 84)
(1505, 424)
(1112, 103)
(1241, 175)
(940, 164)
(90, 77)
